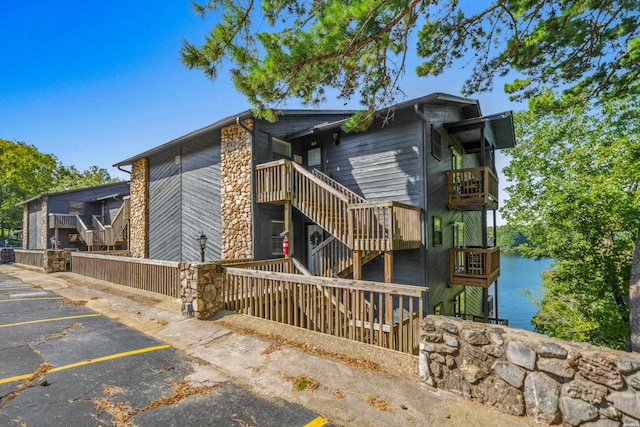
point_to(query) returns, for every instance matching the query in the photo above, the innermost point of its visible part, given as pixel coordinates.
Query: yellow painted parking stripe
(28, 299)
(88, 362)
(318, 422)
(49, 320)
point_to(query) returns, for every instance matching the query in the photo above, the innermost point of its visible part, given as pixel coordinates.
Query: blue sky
(97, 82)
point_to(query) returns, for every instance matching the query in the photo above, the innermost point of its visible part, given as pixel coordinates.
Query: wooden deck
(473, 188)
(474, 266)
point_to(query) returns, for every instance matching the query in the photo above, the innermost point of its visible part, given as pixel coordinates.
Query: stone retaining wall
(201, 286)
(523, 373)
(7, 256)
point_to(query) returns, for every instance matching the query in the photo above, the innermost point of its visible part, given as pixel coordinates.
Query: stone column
(139, 216)
(201, 287)
(237, 221)
(25, 227)
(43, 238)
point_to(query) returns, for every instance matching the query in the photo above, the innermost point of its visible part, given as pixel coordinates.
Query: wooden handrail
(353, 197)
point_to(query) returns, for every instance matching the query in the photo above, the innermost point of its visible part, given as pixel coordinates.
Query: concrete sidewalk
(353, 383)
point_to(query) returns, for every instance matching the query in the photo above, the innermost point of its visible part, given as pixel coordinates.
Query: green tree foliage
(510, 238)
(574, 192)
(25, 172)
(69, 178)
(304, 49)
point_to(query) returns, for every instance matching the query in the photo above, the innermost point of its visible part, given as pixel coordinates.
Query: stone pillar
(25, 227)
(201, 287)
(139, 216)
(44, 242)
(237, 218)
(54, 261)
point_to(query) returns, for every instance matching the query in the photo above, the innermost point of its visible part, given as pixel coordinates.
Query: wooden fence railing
(150, 275)
(382, 314)
(34, 257)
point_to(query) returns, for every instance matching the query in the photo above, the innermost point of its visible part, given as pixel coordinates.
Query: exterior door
(314, 238)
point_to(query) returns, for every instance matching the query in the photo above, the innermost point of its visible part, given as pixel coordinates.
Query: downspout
(253, 220)
(123, 170)
(425, 237)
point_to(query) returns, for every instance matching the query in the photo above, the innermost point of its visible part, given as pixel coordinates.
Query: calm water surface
(517, 273)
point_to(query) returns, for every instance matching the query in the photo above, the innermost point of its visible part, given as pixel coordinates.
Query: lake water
(517, 273)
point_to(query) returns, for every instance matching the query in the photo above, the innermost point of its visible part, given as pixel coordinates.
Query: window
(438, 309)
(281, 149)
(76, 208)
(456, 159)
(277, 227)
(460, 305)
(314, 158)
(437, 231)
(436, 143)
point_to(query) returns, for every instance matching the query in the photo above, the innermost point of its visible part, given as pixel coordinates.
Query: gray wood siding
(165, 231)
(201, 200)
(436, 183)
(35, 225)
(384, 163)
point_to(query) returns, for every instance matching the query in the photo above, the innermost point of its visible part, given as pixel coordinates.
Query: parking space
(63, 364)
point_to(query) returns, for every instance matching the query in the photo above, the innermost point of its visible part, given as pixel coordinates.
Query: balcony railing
(473, 188)
(474, 266)
(62, 221)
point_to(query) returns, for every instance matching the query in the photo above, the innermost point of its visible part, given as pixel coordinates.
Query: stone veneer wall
(523, 373)
(201, 285)
(43, 238)
(54, 261)
(237, 229)
(25, 227)
(138, 222)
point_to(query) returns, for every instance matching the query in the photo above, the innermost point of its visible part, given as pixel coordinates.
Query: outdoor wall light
(336, 137)
(203, 244)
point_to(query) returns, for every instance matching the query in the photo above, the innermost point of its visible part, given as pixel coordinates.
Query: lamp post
(203, 244)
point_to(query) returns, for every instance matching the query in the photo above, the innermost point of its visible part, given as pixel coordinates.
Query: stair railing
(85, 233)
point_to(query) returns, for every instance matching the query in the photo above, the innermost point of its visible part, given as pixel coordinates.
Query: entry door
(314, 238)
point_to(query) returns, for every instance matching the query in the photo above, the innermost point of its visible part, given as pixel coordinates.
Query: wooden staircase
(97, 236)
(355, 224)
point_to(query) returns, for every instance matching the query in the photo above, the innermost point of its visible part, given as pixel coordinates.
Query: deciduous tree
(575, 190)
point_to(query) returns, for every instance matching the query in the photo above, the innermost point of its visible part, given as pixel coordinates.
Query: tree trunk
(634, 299)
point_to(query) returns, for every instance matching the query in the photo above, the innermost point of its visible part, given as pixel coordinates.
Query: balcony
(473, 188)
(474, 266)
(62, 221)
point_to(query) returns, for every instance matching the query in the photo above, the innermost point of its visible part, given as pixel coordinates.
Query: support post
(288, 226)
(357, 265)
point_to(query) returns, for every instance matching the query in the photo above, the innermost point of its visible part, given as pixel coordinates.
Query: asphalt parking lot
(62, 364)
